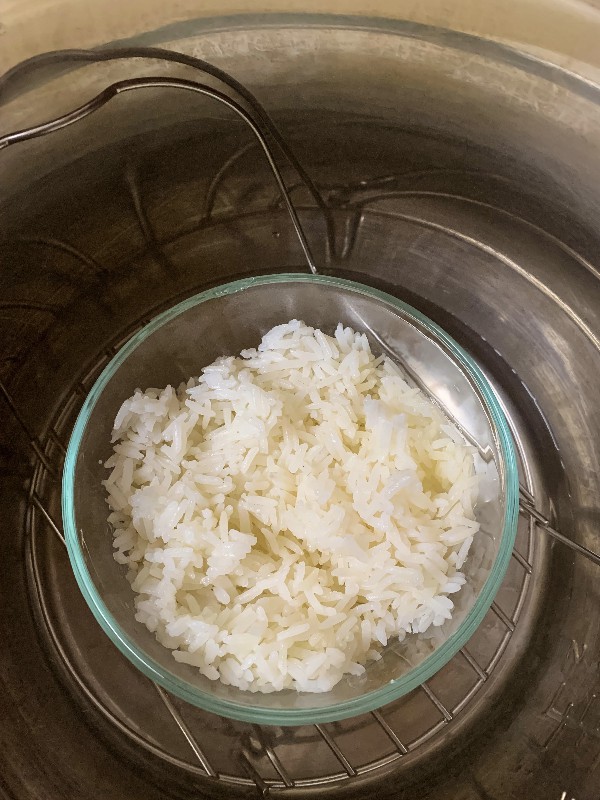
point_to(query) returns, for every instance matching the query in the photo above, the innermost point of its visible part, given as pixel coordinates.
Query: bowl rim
(370, 700)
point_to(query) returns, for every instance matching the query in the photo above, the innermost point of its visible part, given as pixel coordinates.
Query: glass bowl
(223, 321)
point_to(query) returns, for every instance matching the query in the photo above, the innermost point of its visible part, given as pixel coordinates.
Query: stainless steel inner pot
(465, 180)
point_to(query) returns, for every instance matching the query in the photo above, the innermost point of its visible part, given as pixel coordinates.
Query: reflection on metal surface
(131, 180)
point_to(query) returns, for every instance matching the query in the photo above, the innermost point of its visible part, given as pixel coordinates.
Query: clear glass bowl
(223, 321)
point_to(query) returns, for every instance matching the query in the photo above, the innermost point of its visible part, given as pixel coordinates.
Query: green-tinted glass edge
(366, 702)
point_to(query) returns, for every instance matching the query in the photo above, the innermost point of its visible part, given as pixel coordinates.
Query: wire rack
(263, 757)
(262, 751)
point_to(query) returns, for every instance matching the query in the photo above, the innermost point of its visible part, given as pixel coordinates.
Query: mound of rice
(291, 510)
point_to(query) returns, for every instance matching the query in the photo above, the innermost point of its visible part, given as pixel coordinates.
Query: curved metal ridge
(393, 194)
(64, 247)
(509, 262)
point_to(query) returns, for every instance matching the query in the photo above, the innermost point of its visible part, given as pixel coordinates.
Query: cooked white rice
(290, 511)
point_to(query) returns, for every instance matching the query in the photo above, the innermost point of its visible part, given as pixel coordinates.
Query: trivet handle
(47, 65)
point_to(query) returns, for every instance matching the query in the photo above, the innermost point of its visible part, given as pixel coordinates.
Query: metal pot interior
(464, 179)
